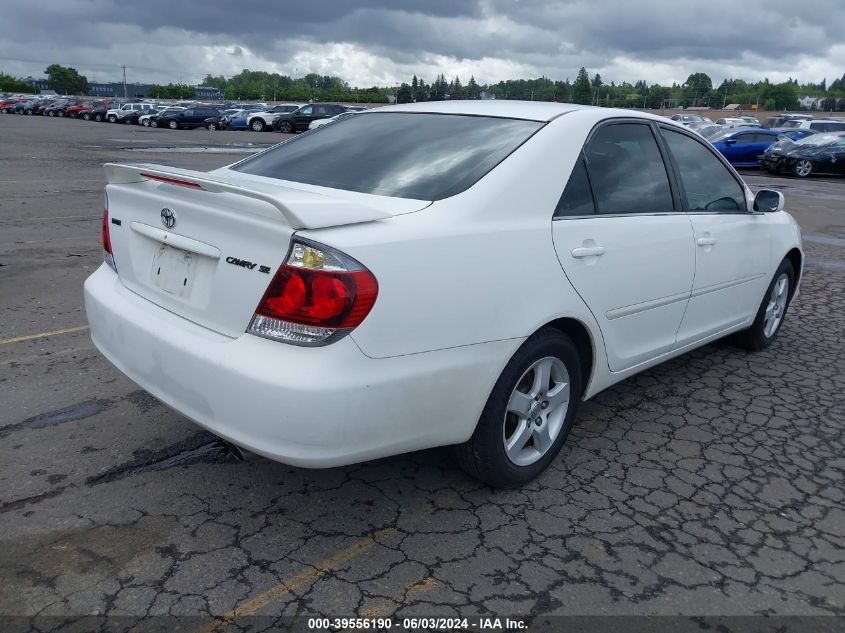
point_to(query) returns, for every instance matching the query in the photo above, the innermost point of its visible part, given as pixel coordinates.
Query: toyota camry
(454, 273)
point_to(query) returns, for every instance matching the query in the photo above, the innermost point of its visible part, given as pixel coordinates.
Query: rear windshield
(404, 155)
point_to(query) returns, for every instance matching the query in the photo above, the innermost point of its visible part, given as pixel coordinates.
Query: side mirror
(768, 201)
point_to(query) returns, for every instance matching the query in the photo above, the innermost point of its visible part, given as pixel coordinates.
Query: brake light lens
(108, 256)
(316, 297)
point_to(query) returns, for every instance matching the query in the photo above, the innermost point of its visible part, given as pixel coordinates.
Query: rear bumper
(313, 407)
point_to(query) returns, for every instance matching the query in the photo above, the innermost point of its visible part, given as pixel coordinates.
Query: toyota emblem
(168, 218)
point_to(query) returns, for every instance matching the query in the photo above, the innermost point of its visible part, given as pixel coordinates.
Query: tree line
(698, 90)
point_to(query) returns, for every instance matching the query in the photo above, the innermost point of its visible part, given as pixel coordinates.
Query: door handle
(587, 251)
(706, 241)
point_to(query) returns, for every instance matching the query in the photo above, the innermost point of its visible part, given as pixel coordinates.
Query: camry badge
(168, 218)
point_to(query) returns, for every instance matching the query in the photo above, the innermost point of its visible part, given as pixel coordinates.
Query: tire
(50, 113)
(86, 116)
(60, 113)
(802, 168)
(98, 117)
(211, 127)
(145, 123)
(112, 118)
(173, 125)
(485, 456)
(766, 326)
(285, 127)
(153, 122)
(257, 125)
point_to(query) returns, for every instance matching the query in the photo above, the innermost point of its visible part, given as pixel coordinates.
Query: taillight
(108, 256)
(317, 296)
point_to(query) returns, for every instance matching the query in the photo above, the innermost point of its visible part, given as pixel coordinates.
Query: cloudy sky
(383, 42)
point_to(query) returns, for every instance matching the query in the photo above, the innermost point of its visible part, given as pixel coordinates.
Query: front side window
(626, 170)
(708, 184)
(400, 154)
(743, 138)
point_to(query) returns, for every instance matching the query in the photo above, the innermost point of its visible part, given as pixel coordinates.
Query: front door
(731, 243)
(624, 243)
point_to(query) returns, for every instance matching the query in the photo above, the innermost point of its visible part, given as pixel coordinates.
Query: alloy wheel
(536, 411)
(803, 167)
(776, 307)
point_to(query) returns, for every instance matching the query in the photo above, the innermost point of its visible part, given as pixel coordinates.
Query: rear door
(624, 242)
(732, 243)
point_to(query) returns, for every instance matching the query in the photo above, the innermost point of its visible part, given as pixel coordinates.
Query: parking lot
(709, 485)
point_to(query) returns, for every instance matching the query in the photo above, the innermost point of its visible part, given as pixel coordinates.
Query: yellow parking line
(262, 600)
(32, 337)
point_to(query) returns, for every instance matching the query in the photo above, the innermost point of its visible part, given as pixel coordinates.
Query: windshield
(404, 155)
(822, 139)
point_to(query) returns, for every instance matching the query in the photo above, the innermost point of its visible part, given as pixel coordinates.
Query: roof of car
(534, 110)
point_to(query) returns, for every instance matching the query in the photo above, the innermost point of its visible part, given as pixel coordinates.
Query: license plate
(173, 270)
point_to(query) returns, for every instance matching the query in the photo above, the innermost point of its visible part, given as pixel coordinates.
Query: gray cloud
(390, 39)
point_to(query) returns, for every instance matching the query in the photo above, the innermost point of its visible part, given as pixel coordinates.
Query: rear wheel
(771, 312)
(528, 415)
(60, 113)
(50, 113)
(802, 168)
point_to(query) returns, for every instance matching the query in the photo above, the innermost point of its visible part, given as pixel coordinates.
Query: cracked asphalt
(709, 485)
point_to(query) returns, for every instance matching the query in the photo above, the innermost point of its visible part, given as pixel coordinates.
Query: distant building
(811, 103)
(209, 92)
(39, 84)
(115, 89)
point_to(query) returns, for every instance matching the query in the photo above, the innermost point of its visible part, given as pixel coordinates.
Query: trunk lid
(206, 245)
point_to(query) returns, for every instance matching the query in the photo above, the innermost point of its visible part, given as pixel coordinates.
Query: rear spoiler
(300, 209)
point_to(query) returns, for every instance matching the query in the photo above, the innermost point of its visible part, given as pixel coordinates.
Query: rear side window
(708, 184)
(577, 198)
(404, 155)
(627, 171)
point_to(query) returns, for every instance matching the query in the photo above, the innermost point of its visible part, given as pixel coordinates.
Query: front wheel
(771, 312)
(112, 118)
(60, 113)
(86, 116)
(802, 168)
(528, 415)
(285, 127)
(50, 113)
(145, 123)
(98, 117)
(154, 123)
(257, 125)
(211, 126)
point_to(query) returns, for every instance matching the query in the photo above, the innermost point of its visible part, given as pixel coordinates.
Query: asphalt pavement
(709, 485)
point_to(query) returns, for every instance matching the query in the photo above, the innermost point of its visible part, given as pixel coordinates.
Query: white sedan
(317, 123)
(454, 273)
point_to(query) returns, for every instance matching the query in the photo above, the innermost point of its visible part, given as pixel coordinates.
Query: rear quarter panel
(479, 266)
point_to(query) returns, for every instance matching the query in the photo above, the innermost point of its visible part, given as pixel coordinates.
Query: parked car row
(796, 144)
(284, 117)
